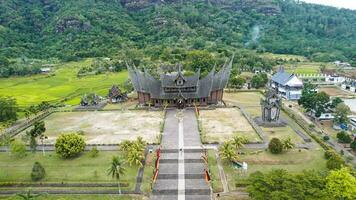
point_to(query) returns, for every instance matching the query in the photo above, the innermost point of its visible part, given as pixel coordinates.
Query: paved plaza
(181, 169)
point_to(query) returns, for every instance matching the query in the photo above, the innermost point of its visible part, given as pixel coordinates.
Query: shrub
(343, 137)
(38, 172)
(335, 162)
(18, 148)
(326, 138)
(328, 154)
(94, 152)
(275, 146)
(353, 145)
(69, 145)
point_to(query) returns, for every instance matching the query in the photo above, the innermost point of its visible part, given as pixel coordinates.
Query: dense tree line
(279, 184)
(70, 30)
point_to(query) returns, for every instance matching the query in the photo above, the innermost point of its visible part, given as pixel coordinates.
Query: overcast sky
(351, 4)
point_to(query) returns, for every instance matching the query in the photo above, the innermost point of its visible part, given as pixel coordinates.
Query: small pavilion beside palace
(180, 91)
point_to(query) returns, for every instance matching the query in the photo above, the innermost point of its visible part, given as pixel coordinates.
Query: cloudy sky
(351, 4)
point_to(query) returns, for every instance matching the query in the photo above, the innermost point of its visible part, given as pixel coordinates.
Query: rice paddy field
(63, 85)
(306, 67)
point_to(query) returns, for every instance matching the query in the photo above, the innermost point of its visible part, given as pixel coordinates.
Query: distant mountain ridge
(91, 28)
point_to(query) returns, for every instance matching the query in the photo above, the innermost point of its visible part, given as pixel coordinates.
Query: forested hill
(71, 29)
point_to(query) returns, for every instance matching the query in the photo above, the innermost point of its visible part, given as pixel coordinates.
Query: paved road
(181, 169)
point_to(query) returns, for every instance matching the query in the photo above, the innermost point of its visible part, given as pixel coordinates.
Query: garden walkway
(181, 169)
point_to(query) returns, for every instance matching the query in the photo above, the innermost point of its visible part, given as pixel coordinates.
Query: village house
(288, 86)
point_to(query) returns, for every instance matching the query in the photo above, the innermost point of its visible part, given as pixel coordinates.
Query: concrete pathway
(181, 169)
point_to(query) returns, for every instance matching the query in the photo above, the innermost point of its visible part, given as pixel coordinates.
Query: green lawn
(65, 84)
(147, 181)
(79, 197)
(261, 160)
(214, 172)
(81, 169)
(243, 98)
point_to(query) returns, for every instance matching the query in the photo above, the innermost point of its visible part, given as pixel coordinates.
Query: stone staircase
(181, 168)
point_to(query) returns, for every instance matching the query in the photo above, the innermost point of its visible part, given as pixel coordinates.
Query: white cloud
(351, 4)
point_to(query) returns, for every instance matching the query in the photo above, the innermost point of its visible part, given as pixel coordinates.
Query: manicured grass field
(261, 160)
(65, 84)
(81, 169)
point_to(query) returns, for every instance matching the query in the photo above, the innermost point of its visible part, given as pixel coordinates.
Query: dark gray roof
(282, 77)
(144, 82)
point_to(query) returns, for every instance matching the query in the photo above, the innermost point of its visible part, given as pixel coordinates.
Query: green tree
(8, 109)
(237, 82)
(336, 101)
(38, 172)
(259, 80)
(275, 146)
(341, 113)
(320, 103)
(306, 100)
(344, 137)
(227, 151)
(69, 145)
(199, 59)
(37, 131)
(18, 148)
(117, 170)
(340, 184)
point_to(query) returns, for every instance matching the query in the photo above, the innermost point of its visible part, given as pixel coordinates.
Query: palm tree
(28, 195)
(135, 157)
(117, 169)
(125, 145)
(238, 142)
(288, 144)
(227, 151)
(140, 144)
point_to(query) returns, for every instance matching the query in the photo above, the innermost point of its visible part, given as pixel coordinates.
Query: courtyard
(222, 124)
(105, 127)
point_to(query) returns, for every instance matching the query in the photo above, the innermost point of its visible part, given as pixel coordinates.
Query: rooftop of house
(283, 78)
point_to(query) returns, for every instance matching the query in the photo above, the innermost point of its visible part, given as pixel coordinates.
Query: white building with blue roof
(289, 86)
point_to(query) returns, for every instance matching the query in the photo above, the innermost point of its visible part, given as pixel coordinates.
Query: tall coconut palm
(117, 169)
(227, 151)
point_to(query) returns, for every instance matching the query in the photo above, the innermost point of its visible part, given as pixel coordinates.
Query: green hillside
(70, 30)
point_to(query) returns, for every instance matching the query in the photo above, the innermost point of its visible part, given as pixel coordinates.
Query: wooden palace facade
(177, 90)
